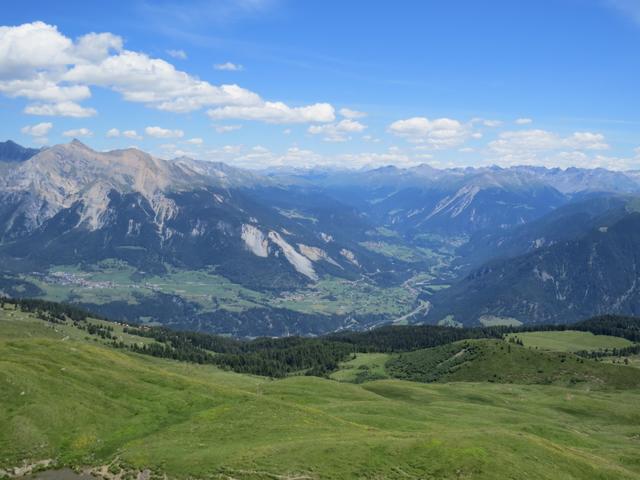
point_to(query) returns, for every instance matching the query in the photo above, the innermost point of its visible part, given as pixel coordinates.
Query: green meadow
(570, 341)
(82, 403)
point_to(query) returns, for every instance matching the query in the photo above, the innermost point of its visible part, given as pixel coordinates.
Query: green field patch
(505, 362)
(332, 295)
(383, 232)
(364, 367)
(570, 341)
(494, 321)
(207, 289)
(401, 252)
(629, 360)
(114, 280)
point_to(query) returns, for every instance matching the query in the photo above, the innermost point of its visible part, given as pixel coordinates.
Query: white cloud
(32, 47)
(542, 147)
(492, 123)
(159, 132)
(226, 128)
(40, 87)
(348, 113)
(131, 134)
(195, 141)
(78, 133)
(232, 148)
(39, 63)
(35, 56)
(523, 121)
(157, 83)
(228, 67)
(179, 54)
(526, 141)
(587, 140)
(439, 133)
(337, 132)
(486, 122)
(62, 109)
(276, 112)
(38, 130)
(260, 157)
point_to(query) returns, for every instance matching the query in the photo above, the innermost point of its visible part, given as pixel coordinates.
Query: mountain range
(206, 246)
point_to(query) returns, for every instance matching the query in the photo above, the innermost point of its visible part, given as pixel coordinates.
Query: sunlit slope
(570, 341)
(82, 403)
(503, 362)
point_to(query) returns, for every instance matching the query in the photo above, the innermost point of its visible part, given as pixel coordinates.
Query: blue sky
(297, 83)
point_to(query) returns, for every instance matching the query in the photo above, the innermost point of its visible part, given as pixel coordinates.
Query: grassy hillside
(79, 402)
(503, 362)
(570, 341)
(364, 367)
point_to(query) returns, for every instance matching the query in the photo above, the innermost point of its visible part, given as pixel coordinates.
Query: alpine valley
(203, 246)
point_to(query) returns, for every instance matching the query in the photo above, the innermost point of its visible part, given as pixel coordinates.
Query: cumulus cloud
(159, 132)
(486, 122)
(439, 133)
(131, 134)
(179, 54)
(157, 83)
(540, 140)
(42, 65)
(276, 112)
(523, 121)
(61, 109)
(348, 113)
(38, 130)
(337, 132)
(548, 148)
(226, 128)
(260, 157)
(40, 87)
(228, 67)
(195, 141)
(78, 133)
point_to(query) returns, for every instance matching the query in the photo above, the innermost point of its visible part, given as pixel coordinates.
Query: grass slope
(364, 367)
(82, 403)
(570, 341)
(503, 362)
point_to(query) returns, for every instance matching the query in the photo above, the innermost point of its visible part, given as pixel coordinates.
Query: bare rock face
(65, 175)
